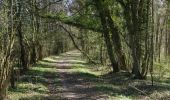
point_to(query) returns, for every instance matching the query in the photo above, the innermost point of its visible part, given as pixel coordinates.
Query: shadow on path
(76, 85)
(82, 85)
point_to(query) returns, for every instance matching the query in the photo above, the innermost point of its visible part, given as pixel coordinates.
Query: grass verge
(34, 84)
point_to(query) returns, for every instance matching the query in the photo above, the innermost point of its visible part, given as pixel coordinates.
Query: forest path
(74, 85)
(64, 77)
(70, 77)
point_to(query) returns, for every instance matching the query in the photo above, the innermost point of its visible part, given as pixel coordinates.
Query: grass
(33, 85)
(95, 75)
(117, 86)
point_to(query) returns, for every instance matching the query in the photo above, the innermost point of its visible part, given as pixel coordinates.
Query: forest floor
(70, 77)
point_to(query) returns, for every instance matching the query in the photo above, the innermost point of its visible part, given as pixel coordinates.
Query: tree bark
(21, 42)
(116, 39)
(106, 35)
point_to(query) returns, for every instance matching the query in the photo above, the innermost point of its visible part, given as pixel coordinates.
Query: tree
(7, 41)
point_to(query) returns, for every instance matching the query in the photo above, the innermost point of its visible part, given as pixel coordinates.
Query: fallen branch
(135, 88)
(142, 92)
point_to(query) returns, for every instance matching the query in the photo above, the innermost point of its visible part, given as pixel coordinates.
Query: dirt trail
(81, 85)
(69, 77)
(72, 86)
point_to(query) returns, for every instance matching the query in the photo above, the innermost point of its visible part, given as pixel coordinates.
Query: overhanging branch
(68, 22)
(77, 47)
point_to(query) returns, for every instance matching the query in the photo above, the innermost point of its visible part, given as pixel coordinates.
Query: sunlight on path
(73, 87)
(64, 77)
(70, 77)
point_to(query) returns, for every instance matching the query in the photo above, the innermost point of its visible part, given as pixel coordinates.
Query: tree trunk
(21, 42)
(106, 35)
(3, 93)
(116, 41)
(6, 49)
(33, 54)
(12, 79)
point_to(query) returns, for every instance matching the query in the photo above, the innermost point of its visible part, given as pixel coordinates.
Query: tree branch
(68, 22)
(121, 2)
(77, 47)
(49, 4)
